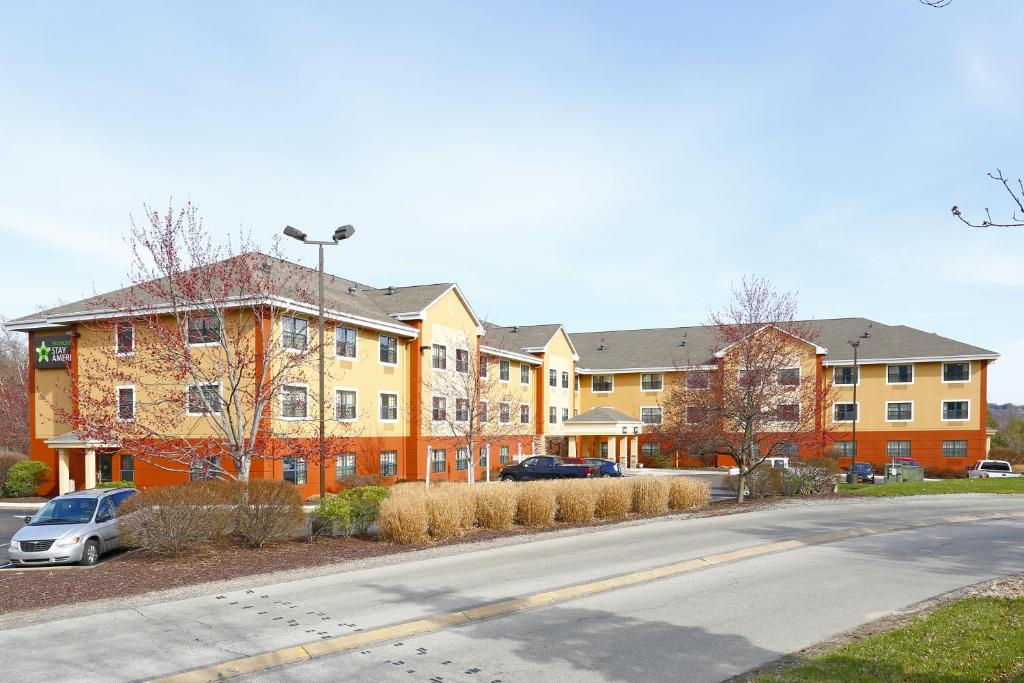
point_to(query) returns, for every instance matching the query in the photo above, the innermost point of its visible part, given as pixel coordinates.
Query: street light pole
(342, 233)
(851, 476)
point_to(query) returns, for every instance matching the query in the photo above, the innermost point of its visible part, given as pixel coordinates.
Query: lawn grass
(919, 488)
(974, 639)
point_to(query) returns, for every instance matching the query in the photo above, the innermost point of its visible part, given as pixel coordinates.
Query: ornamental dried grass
(465, 494)
(614, 498)
(445, 507)
(536, 505)
(403, 518)
(576, 500)
(650, 495)
(496, 505)
(688, 493)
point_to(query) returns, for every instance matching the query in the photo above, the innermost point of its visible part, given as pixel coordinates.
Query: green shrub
(7, 459)
(364, 503)
(116, 485)
(24, 478)
(333, 517)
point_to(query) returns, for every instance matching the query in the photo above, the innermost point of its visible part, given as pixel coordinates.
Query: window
(483, 412)
(649, 382)
(650, 449)
(203, 329)
(482, 460)
(461, 458)
(788, 377)
(124, 336)
(388, 463)
(897, 449)
(787, 412)
(389, 407)
(552, 415)
(126, 404)
(565, 414)
(504, 413)
(439, 410)
(844, 449)
(440, 357)
(698, 379)
(345, 342)
(845, 412)
(696, 414)
(483, 367)
(462, 360)
(565, 379)
(553, 378)
(899, 411)
(956, 372)
(503, 454)
(601, 383)
(388, 350)
(746, 378)
(293, 401)
(439, 460)
(955, 410)
(294, 470)
(503, 370)
(899, 374)
(954, 449)
(461, 410)
(344, 466)
(293, 332)
(203, 399)
(524, 414)
(344, 404)
(650, 416)
(203, 468)
(845, 376)
(604, 449)
(786, 449)
(128, 467)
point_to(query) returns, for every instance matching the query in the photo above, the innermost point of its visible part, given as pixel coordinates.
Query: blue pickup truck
(544, 467)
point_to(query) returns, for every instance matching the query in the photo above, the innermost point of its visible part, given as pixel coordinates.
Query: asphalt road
(11, 519)
(705, 625)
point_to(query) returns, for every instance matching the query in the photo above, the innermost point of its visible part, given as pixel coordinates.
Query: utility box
(911, 473)
(893, 473)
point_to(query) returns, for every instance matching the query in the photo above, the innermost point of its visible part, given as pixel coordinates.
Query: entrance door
(104, 467)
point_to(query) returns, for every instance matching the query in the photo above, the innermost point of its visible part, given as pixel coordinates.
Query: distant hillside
(1004, 411)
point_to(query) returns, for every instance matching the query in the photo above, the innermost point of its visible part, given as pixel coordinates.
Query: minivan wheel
(90, 554)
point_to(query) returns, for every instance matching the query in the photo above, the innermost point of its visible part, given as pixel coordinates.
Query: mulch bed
(138, 572)
(26, 499)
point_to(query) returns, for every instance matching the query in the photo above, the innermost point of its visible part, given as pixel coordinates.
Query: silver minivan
(76, 527)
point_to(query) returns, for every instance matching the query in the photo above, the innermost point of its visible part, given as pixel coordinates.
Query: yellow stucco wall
(557, 357)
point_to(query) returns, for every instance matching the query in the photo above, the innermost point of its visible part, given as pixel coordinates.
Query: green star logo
(43, 353)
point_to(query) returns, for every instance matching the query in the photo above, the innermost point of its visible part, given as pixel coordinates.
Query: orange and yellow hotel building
(919, 395)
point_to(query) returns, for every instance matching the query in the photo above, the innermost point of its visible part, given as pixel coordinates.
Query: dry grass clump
(496, 505)
(613, 498)
(445, 508)
(650, 495)
(688, 493)
(576, 500)
(465, 494)
(536, 505)
(403, 517)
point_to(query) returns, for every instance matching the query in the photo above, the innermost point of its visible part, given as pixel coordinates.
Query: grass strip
(921, 488)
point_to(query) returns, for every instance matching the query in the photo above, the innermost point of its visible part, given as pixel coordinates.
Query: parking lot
(11, 519)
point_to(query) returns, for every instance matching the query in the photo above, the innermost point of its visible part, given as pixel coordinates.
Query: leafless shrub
(264, 510)
(169, 520)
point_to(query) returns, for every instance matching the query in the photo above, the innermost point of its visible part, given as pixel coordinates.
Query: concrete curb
(320, 648)
(22, 506)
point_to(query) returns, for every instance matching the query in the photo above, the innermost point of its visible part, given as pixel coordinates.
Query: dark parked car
(864, 471)
(544, 467)
(603, 468)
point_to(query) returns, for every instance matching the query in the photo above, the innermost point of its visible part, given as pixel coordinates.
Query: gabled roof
(525, 338)
(601, 416)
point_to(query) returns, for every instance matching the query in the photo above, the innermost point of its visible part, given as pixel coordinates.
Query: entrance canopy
(74, 440)
(607, 429)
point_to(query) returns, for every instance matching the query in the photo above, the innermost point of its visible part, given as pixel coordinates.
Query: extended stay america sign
(52, 352)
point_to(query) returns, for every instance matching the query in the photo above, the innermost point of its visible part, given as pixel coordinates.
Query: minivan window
(65, 511)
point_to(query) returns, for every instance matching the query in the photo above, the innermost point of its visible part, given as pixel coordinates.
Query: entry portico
(74, 441)
(588, 431)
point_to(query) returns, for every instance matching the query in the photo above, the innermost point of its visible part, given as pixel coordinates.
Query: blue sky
(605, 165)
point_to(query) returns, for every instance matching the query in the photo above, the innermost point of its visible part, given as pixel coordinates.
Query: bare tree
(14, 417)
(935, 3)
(1016, 191)
(759, 397)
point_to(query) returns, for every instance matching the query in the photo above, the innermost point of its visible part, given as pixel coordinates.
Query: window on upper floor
(787, 412)
(504, 413)
(565, 414)
(788, 377)
(203, 399)
(440, 357)
(524, 414)
(698, 379)
(696, 414)
(482, 411)
(483, 366)
(552, 415)
(125, 404)
(955, 410)
(899, 374)
(553, 378)
(504, 370)
(345, 340)
(601, 383)
(294, 332)
(524, 373)
(203, 329)
(845, 375)
(344, 404)
(956, 372)
(844, 412)
(565, 379)
(651, 382)
(294, 401)
(461, 410)
(650, 416)
(388, 350)
(439, 410)
(746, 378)
(899, 411)
(124, 339)
(388, 407)
(462, 360)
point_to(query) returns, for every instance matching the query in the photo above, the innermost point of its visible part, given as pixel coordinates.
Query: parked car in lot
(74, 528)
(863, 471)
(544, 467)
(603, 468)
(984, 469)
(907, 462)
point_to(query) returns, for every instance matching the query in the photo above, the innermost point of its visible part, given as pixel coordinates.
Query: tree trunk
(741, 481)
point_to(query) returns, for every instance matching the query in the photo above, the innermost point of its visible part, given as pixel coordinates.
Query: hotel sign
(52, 352)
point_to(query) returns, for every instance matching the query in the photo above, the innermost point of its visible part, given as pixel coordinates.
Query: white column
(572, 446)
(634, 451)
(611, 447)
(63, 472)
(90, 468)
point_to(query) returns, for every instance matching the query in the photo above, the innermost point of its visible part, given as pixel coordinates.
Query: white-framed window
(439, 357)
(897, 449)
(388, 407)
(504, 412)
(788, 377)
(294, 333)
(565, 414)
(956, 410)
(483, 366)
(956, 372)
(698, 379)
(125, 403)
(462, 410)
(524, 373)
(524, 413)
(124, 338)
(552, 377)
(552, 415)
(294, 402)
(650, 449)
(294, 470)
(203, 399)
(202, 329)
(482, 411)
(462, 360)
(503, 454)
(787, 449)
(439, 460)
(650, 415)
(602, 384)
(346, 342)
(954, 448)
(845, 375)
(127, 467)
(787, 412)
(461, 458)
(652, 381)
(345, 404)
(388, 349)
(344, 466)
(899, 411)
(696, 414)
(388, 463)
(746, 378)
(844, 449)
(846, 412)
(902, 373)
(439, 409)
(503, 370)
(565, 379)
